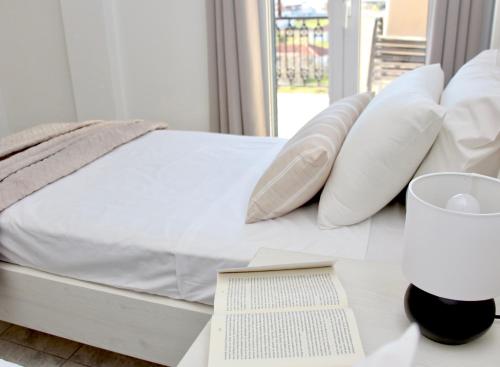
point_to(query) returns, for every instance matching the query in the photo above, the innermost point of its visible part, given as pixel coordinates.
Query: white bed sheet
(162, 213)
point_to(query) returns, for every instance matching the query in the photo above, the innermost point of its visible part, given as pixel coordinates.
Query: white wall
(4, 126)
(164, 48)
(34, 77)
(85, 59)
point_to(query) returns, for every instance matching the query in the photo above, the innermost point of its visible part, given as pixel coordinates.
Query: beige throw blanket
(34, 158)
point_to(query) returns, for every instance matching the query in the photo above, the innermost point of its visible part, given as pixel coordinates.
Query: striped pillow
(302, 167)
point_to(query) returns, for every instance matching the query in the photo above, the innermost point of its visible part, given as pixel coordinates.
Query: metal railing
(302, 51)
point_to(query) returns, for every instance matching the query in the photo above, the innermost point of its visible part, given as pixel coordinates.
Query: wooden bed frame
(154, 328)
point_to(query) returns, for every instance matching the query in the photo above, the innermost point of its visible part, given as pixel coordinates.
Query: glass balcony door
(308, 72)
(325, 50)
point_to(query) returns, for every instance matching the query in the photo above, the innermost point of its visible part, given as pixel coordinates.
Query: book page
(324, 337)
(288, 317)
(286, 266)
(283, 290)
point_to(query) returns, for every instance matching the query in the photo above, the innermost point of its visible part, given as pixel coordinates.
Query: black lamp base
(448, 321)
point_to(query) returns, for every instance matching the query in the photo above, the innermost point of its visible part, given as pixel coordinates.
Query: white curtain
(458, 30)
(237, 84)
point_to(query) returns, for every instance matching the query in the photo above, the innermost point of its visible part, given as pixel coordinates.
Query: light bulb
(465, 203)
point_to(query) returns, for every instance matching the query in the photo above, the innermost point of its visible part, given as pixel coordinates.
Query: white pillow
(470, 138)
(300, 170)
(477, 78)
(384, 148)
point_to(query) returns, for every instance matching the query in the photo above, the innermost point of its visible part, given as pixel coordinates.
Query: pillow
(477, 78)
(303, 165)
(384, 148)
(470, 138)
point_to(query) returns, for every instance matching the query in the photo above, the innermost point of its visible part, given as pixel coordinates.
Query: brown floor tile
(42, 342)
(95, 357)
(72, 364)
(27, 357)
(4, 326)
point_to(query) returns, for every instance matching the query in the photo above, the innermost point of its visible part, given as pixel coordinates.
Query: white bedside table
(375, 292)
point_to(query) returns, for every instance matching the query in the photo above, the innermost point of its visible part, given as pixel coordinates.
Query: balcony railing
(302, 51)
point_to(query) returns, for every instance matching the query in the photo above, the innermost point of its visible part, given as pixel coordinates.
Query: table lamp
(452, 255)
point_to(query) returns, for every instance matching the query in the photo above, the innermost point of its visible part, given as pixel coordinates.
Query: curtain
(458, 30)
(236, 81)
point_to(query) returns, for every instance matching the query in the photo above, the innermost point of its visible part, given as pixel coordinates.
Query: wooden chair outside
(392, 56)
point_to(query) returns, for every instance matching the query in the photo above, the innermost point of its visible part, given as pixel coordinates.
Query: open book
(279, 316)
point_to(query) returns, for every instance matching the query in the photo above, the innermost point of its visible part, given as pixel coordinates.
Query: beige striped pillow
(302, 167)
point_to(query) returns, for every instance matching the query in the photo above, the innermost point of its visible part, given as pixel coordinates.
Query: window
(325, 50)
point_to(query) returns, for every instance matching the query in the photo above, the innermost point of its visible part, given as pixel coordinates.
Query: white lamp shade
(448, 253)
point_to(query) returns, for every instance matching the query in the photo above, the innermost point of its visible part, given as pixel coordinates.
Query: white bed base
(153, 328)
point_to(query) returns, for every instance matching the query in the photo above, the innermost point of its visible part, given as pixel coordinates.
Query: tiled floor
(31, 348)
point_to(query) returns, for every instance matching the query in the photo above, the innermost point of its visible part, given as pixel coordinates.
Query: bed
(123, 253)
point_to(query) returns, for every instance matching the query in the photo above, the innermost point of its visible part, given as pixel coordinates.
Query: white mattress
(162, 213)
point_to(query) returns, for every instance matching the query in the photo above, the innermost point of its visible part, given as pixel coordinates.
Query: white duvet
(162, 213)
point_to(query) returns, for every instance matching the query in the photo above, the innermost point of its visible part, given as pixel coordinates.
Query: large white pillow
(470, 138)
(384, 148)
(301, 168)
